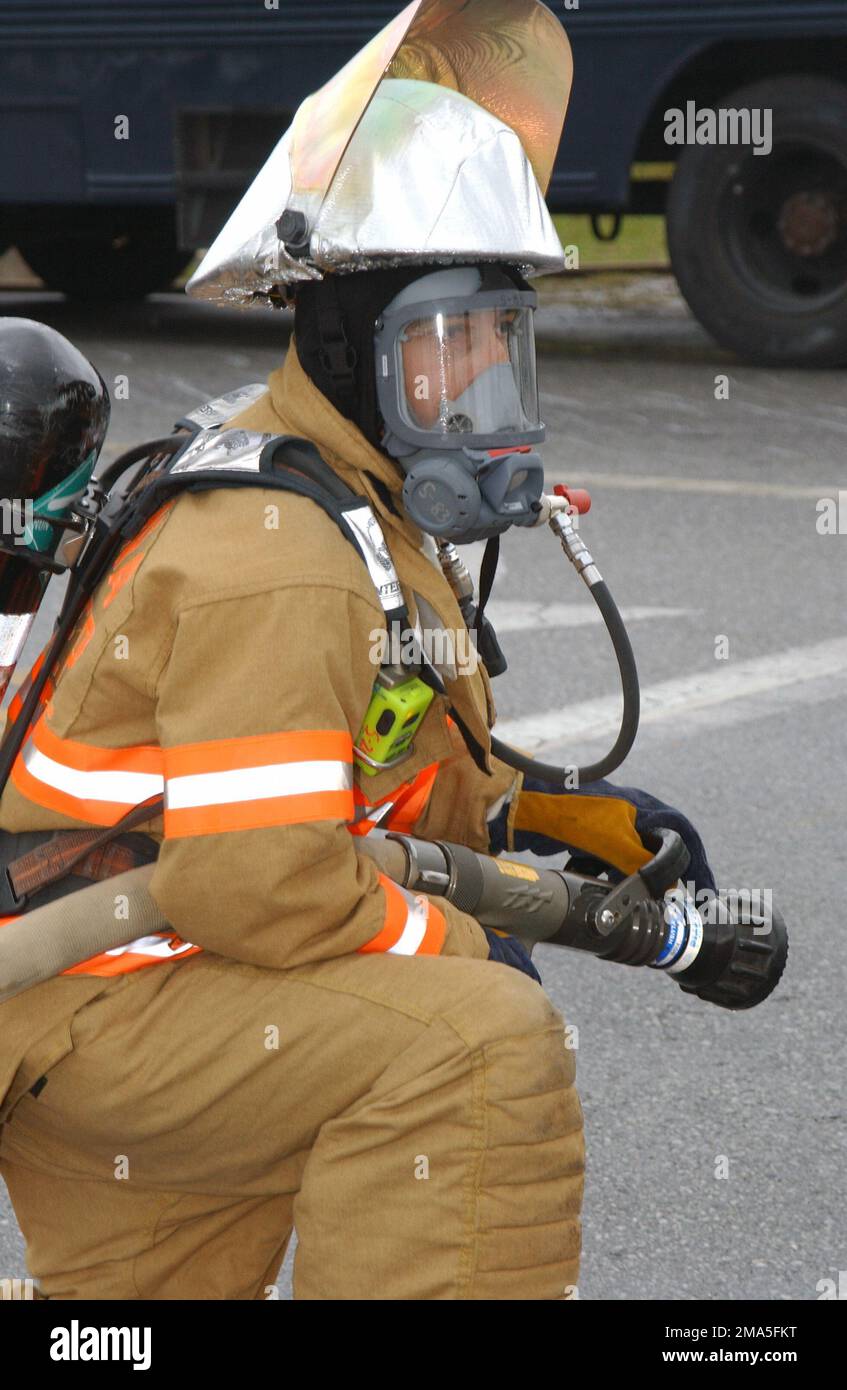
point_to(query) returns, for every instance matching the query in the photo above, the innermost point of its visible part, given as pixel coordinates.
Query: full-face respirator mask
(456, 386)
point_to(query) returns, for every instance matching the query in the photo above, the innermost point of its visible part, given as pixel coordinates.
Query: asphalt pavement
(715, 1141)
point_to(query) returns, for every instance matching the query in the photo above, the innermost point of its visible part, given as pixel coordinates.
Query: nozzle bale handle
(670, 860)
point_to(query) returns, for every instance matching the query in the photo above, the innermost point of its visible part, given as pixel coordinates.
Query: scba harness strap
(216, 457)
(233, 458)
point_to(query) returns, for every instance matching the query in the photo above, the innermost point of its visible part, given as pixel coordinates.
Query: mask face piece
(460, 372)
(457, 388)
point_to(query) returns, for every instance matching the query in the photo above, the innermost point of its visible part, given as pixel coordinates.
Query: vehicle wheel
(758, 242)
(117, 254)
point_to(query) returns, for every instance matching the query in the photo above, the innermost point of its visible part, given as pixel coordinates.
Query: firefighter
(311, 1046)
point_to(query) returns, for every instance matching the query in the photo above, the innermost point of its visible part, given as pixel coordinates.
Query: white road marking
(733, 487)
(654, 401)
(517, 616)
(682, 696)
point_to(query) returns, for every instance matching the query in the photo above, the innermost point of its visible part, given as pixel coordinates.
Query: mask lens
(471, 372)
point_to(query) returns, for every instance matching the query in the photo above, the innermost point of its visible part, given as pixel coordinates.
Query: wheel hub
(785, 224)
(808, 223)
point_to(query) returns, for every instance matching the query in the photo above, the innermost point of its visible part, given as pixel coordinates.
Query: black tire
(115, 254)
(758, 243)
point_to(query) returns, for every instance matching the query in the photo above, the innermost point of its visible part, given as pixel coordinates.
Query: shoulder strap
(238, 458)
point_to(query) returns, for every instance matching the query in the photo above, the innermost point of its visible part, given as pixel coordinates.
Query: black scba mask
(457, 388)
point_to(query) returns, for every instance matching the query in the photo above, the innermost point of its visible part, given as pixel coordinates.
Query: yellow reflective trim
(515, 870)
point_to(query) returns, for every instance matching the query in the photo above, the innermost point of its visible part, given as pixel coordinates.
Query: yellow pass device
(398, 704)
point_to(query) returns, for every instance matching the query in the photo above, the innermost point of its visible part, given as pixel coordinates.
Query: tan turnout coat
(232, 657)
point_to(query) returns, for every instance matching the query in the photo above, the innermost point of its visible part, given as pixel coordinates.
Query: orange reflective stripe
(79, 808)
(219, 785)
(136, 955)
(395, 919)
(257, 815)
(88, 757)
(124, 962)
(97, 785)
(118, 577)
(83, 640)
(407, 803)
(258, 781)
(125, 563)
(16, 705)
(46, 695)
(148, 526)
(362, 827)
(410, 805)
(362, 824)
(257, 750)
(413, 925)
(121, 571)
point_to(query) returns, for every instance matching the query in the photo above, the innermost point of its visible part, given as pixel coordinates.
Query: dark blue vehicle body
(68, 69)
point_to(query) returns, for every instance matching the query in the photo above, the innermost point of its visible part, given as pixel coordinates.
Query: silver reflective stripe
(220, 449)
(374, 552)
(14, 630)
(126, 788)
(373, 813)
(224, 407)
(414, 931)
(159, 948)
(257, 783)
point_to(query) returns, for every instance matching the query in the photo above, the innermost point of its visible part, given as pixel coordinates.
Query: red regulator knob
(579, 499)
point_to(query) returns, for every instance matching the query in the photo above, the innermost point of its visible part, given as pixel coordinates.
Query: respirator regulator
(457, 389)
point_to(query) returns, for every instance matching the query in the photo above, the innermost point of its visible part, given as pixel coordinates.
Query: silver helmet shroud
(434, 145)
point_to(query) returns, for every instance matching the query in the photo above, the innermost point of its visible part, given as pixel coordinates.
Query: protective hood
(434, 144)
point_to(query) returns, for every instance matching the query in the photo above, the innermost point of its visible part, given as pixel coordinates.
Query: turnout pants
(415, 1119)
